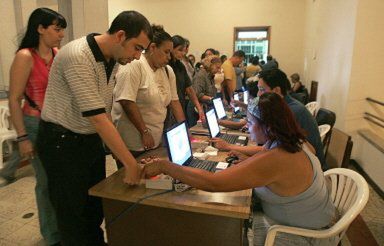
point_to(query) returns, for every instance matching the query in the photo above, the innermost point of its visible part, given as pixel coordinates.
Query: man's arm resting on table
(112, 139)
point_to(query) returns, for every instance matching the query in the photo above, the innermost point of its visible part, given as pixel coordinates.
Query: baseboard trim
(356, 165)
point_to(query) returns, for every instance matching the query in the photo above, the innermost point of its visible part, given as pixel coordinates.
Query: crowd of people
(121, 90)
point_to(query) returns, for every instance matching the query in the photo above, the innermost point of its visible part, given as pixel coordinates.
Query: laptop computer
(245, 97)
(214, 130)
(236, 97)
(180, 150)
(220, 111)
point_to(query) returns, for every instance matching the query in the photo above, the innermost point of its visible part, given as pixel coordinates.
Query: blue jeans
(47, 216)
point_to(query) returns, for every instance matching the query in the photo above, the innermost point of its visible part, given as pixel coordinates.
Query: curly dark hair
(279, 122)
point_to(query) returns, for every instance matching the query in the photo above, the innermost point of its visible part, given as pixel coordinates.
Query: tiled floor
(17, 201)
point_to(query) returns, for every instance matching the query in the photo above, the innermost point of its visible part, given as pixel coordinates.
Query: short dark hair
(159, 35)
(275, 78)
(178, 41)
(269, 57)
(223, 58)
(239, 53)
(44, 17)
(212, 50)
(279, 122)
(255, 60)
(253, 89)
(132, 23)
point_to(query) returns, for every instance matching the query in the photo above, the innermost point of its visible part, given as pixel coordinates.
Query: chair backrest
(325, 116)
(349, 193)
(313, 107)
(324, 129)
(4, 118)
(313, 93)
(339, 149)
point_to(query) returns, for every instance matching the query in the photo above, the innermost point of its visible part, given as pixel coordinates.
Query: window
(253, 41)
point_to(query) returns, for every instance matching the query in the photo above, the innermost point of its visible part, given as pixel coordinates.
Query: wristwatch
(146, 131)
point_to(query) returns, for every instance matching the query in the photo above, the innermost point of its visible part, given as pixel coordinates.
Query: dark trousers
(73, 163)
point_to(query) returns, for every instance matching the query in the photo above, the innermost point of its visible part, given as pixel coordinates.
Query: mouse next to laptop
(231, 159)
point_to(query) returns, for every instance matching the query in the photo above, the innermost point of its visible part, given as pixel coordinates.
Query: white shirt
(151, 91)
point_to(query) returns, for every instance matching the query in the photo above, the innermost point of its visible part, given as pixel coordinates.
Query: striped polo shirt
(80, 84)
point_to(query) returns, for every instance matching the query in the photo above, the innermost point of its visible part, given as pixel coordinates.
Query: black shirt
(182, 80)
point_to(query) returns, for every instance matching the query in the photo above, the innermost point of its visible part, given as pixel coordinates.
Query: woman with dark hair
(28, 80)
(183, 82)
(286, 176)
(143, 91)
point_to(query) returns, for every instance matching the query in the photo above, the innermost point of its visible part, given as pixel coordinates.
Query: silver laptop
(214, 130)
(180, 150)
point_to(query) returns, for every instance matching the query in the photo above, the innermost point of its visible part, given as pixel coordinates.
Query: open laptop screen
(245, 97)
(236, 97)
(212, 123)
(178, 144)
(219, 107)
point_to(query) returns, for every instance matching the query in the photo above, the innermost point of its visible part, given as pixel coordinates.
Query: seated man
(252, 90)
(275, 80)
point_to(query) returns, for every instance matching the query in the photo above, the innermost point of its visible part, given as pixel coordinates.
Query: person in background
(272, 173)
(239, 70)
(204, 85)
(28, 80)
(276, 80)
(210, 52)
(229, 84)
(186, 62)
(75, 122)
(143, 91)
(271, 63)
(183, 82)
(253, 69)
(223, 58)
(297, 86)
(192, 59)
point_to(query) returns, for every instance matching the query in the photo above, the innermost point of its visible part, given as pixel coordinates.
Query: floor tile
(11, 210)
(8, 228)
(27, 235)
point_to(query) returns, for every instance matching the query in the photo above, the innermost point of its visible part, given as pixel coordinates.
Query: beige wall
(343, 51)
(329, 39)
(367, 67)
(8, 41)
(210, 23)
(366, 81)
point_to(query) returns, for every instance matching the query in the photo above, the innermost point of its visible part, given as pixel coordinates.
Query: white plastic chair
(349, 193)
(312, 107)
(324, 129)
(6, 133)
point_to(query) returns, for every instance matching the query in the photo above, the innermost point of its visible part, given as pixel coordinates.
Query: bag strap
(32, 103)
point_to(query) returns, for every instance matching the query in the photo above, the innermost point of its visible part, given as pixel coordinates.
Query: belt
(62, 130)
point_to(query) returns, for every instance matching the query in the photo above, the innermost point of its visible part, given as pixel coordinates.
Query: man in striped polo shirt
(76, 121)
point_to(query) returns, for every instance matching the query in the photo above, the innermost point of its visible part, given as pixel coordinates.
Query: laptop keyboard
(229, 138)
(203, 164)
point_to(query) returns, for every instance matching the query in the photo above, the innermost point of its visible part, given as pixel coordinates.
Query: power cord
(133, 206)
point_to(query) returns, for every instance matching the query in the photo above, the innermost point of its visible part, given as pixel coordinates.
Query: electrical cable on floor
(133, 206)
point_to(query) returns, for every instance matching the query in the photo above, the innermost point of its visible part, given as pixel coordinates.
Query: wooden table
(193, 217)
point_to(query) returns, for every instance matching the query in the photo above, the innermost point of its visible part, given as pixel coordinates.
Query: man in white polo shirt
(76, 121)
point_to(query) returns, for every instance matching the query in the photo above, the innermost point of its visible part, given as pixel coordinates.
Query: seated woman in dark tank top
(286, 175)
